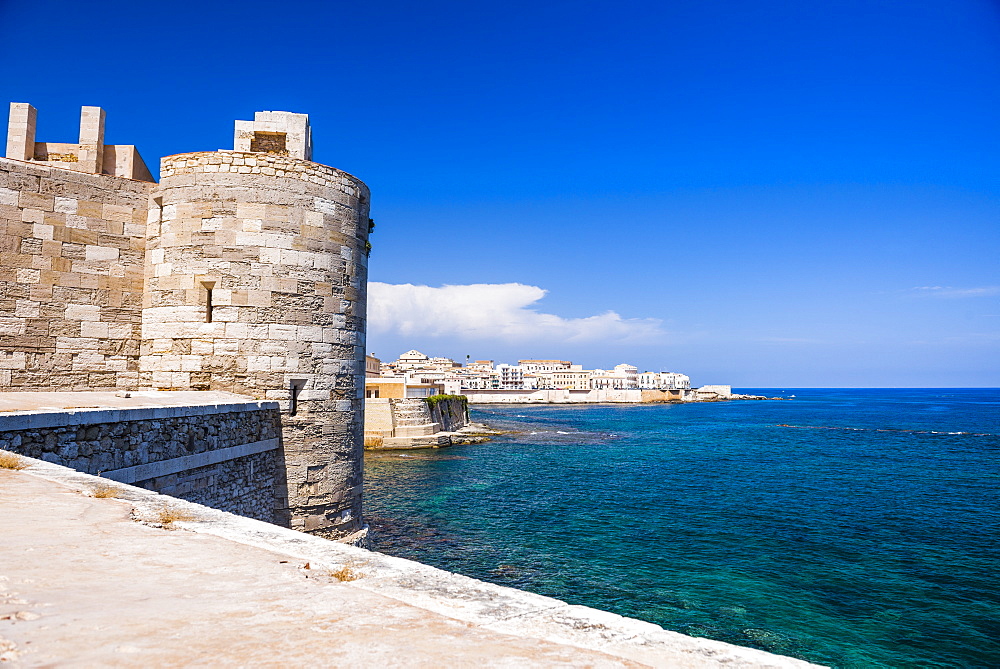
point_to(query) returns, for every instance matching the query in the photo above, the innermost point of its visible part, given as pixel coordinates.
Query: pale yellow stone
(25, 275)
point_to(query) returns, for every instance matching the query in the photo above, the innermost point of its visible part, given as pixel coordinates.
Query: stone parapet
(222, 455)
(266, 164)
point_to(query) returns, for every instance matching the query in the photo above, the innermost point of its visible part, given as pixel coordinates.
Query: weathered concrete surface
(83, 585)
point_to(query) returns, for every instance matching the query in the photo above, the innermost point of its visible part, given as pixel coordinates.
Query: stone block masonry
(255, 284)
(226, 456)
(72, 249)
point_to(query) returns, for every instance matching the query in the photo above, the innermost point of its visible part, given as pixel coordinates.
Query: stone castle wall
(242, 271)
(255, 284)
(71, 278)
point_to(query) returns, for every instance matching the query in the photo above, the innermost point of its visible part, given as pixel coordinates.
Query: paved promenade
(83, 584)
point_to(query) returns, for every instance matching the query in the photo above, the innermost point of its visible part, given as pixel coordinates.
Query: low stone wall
(451, 414)
(551, 396)
(663, 395)
(378, 417)
(225, 455)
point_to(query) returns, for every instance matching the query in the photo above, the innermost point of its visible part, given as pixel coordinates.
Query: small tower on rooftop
(277, 132)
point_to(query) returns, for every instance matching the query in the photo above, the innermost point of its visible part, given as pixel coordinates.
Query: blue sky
(764, 194)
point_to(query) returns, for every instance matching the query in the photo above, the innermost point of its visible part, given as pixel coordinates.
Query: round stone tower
(256, 275)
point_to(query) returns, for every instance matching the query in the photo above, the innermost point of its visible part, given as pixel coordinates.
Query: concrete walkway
(82, 584)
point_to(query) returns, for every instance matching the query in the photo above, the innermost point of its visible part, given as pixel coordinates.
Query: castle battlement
(90, 154)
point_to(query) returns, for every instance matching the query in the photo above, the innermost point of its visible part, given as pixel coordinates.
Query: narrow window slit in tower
(295, 385)
(209, 285)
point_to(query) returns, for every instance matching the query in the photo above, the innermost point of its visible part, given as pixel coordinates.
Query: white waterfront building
(535, 366)
(511, 376)
(663, 381)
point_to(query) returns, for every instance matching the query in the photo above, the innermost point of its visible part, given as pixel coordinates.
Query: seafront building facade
(483, 378)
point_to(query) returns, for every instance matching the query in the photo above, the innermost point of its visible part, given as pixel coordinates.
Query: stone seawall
(451, 414)
(414, 422)
(562, 396)
(224, 455)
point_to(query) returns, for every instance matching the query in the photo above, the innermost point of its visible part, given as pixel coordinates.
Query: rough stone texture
(71, 278)
(282, 133)
(21, 126)
(378, 417)
(227, 591)
(243, 485)
(276, 245)
(451, 414)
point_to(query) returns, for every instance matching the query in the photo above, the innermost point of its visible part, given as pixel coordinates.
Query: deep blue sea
(854, 528)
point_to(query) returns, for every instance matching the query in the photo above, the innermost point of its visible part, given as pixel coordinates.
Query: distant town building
(543, 365)
(412, 360)
(663, 381)
(571, 379)
(511, 376)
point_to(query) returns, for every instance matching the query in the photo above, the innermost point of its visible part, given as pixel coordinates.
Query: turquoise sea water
(866, 535)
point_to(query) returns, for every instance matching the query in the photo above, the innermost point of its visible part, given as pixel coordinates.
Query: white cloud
(949, 292)
(493, 311)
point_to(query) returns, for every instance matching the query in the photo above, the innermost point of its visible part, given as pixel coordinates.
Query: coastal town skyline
(777, 196)
(525, 374)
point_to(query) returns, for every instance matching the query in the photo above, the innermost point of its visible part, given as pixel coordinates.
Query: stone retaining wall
(379, 421)
(451, 414)
(224, 456)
